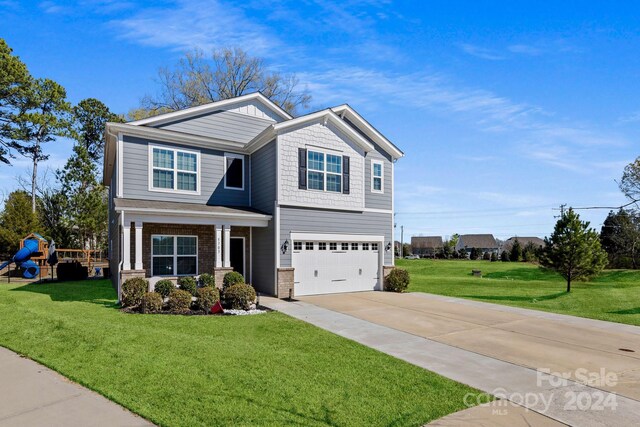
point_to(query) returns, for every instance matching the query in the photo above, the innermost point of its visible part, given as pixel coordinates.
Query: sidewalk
(33, 395)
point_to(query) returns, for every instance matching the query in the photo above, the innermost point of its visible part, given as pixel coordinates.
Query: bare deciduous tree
(197, 80)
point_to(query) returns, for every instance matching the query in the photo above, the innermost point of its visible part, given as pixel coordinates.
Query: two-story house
(299, 206)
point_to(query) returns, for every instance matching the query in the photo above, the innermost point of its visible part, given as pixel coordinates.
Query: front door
(236, 254)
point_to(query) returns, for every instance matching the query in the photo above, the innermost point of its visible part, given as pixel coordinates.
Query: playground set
(35, 252)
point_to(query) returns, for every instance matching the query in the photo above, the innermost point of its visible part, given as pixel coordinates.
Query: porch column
(126, 246)
(218, 245)
(227, 246)
(138, 265)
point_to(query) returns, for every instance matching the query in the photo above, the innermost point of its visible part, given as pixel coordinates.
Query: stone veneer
(285, 283)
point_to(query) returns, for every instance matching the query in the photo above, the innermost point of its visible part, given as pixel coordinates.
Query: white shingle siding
(328, 138)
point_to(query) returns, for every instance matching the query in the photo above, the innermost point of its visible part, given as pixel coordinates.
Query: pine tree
(504, 256)
(16, 221)
(573, 250)
(515, 255)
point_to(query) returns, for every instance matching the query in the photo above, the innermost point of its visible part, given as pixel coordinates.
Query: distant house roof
(427, 242)
(523, 242)
(480, 241)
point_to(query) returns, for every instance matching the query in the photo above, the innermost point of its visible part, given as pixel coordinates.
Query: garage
(334, 264)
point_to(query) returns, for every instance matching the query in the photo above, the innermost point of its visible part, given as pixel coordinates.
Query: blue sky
(504, 109)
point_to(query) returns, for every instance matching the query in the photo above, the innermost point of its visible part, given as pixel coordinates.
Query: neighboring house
(524, 241)
(427, 246)
(297, 205)
(485, 242)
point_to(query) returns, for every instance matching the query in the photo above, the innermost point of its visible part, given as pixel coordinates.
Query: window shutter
(302, 168)
(345, 175)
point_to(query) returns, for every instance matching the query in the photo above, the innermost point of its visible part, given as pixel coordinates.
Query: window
(234, 171)
(297, 246)
(354, 246)
(308, 246)
(333, 246)
(174, 255)
(345, 246)
(322, 246)
(365, 246)
(374, 246)
(174, 170)
(377, 180)
(324, 171)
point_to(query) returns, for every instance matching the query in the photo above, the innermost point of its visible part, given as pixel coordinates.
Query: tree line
(70, 207)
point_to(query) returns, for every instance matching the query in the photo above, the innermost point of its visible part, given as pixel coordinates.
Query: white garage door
(332, 266)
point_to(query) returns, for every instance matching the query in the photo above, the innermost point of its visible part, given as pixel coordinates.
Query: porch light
(285, 247)
(388, 247)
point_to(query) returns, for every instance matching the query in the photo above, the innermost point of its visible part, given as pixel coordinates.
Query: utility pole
(402, 241)
(562, 206)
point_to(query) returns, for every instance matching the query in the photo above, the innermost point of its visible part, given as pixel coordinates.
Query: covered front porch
(168, 240)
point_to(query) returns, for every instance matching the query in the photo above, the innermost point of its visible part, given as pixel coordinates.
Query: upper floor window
(324, 171)
(234, 171)
(174, 170)
(377, 176)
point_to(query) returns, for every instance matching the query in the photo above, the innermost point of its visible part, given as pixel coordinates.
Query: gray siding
(263, 188)
(326, 221)
(221, 124)
(377, 200)
(136, 176)
(114, 233)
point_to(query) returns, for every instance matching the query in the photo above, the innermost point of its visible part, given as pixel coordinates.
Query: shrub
(504, 256)
(494, 257)
(487, 256)
(207, 279)
(239, 296)
(188, 284)
(164, 287)
(232, 278)
(133, 290)
(397, 280)
(179, 301)
(152, 302)
(206, 297)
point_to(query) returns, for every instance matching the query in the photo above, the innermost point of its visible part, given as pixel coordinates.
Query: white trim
(251, 254)
(119, 174)
(218, 240)
(336, 237)
(175, 255)
(126, 246)
(328, 116)
(226, 168)
(381, 163)
(138, 254)
(175, 169)
(226, 245)
(324, 172)
(244, 255)
(187, 220)
(393, 219)
(201, 109)
(375, 210)
(173, 212)
(368, 130)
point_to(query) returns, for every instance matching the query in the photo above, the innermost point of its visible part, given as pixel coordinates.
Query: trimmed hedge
(164, 287)
(232, 278)
(188, 284)
(179, 301)
(152, 302)
(397, 280)
(206, 298)
(206, 280)
(239, 296)
(133, 290)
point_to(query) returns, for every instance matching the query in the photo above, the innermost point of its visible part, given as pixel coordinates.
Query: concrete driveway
(570, 370)
(515, 336)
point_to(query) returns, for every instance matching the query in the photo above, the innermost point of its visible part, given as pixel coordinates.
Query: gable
(222, 124)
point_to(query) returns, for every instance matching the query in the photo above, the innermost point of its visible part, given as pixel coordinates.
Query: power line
(599, 207)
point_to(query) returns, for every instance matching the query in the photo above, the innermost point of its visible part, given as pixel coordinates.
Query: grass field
(613, 296)
(267, 369)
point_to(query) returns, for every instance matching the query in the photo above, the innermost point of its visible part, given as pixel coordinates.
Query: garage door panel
(325, 271)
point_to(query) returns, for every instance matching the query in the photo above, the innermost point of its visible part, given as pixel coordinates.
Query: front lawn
(613, 296)
(266, 369)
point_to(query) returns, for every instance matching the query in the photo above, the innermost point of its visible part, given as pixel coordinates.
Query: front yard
(613, 296)
(210, 370)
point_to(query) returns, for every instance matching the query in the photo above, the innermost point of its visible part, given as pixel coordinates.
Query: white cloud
(481, 52)
(525, 49)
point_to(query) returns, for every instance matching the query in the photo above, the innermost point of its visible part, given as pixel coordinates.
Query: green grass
(268, 369)
(613, 296)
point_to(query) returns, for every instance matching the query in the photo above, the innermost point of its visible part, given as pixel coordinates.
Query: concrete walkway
(33, 395)
(496, 349)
